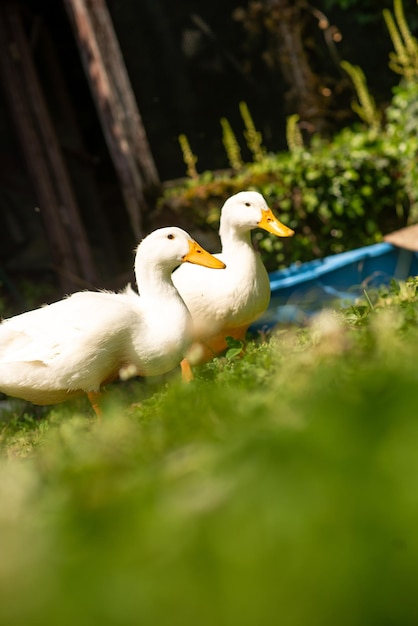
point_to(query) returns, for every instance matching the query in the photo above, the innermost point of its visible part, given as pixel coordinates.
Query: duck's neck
(235, 241)
(154, 280)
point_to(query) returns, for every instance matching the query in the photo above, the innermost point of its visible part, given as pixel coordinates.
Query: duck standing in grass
(226, 303)
(76, 345)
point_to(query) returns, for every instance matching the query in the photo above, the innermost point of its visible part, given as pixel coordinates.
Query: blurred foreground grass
(279, 488)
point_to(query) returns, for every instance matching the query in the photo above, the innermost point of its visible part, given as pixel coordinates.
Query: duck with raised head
(77, 344)
(226, 303)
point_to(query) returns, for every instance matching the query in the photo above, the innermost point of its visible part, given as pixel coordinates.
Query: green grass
(277, 488)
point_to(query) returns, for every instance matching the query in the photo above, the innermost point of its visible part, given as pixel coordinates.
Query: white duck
(225, 303)
(81, 342)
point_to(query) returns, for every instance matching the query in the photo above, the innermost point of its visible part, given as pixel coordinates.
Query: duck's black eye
(170, 236)
(248, 204)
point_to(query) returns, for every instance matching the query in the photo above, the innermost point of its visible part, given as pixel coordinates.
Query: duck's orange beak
(270, 223)
(200, 256)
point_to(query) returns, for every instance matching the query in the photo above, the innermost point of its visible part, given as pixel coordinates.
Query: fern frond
(294, 137)
(366, 107)
(188, 157)
(253, 137)
(231, 145)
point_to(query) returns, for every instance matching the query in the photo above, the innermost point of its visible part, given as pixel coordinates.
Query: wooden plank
(122, 88)
(404, 238)
(110, 112)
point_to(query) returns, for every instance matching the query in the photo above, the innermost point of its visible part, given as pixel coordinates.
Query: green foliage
(366, 108)
(404, 60)
(402, 138)
(252, 136)
(294, 137)
(235, 348)
(336, 195)
(286, 474)
(231, 145)
(188, 157)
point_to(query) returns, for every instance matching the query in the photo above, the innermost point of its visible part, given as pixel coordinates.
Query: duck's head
(166, 248)
(247, 210)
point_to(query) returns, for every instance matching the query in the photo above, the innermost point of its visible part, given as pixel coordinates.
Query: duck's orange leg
(186, 370)
(94, 397)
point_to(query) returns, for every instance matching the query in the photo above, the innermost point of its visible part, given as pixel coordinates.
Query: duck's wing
(80, 322)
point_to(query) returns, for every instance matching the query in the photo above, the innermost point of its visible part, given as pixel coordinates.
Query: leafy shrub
(337, 195)
(402, 138)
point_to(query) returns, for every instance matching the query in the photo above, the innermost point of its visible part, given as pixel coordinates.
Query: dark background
(190, 63)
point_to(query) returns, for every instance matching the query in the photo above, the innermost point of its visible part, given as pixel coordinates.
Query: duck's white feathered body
(48, 354)
(77, 344)
(226, 303)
